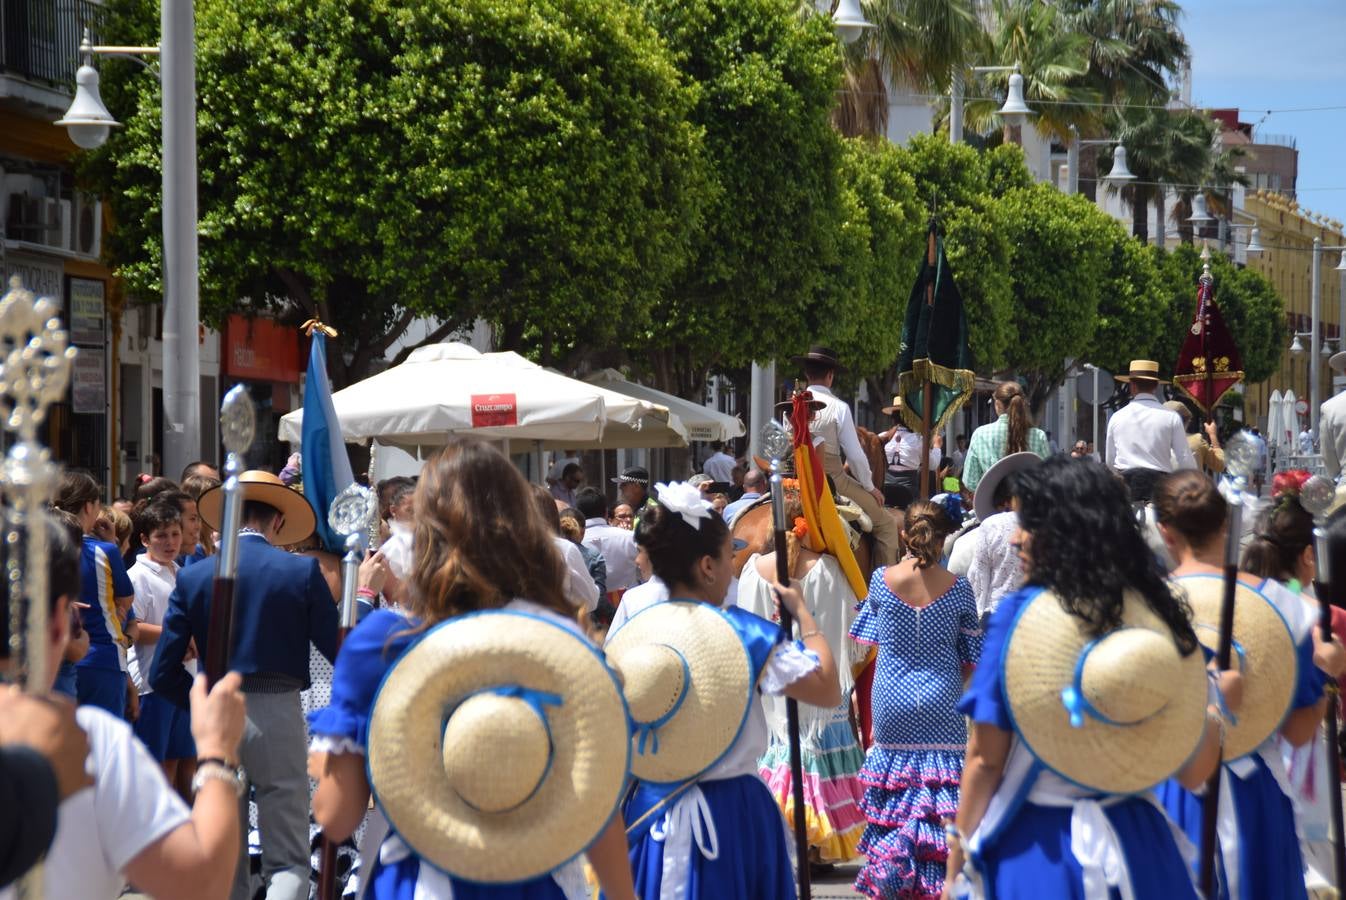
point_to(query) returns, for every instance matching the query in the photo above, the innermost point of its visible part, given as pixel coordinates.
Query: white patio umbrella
(702, 422)
(1275, 438)
(1290, 421)
(448, 389)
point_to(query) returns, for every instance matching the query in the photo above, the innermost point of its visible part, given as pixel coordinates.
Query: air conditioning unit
(86, 228)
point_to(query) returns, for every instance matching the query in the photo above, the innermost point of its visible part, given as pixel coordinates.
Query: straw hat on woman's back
(1117, 713)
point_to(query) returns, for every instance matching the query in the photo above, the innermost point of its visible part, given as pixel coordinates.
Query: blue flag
(327, 469)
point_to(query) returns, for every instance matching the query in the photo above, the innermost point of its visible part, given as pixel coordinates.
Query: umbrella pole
(791, 705)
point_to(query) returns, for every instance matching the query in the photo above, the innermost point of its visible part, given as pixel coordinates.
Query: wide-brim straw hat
(1116, 714)
(1264, 650)
(264, 487)
(898, 403)
(1337, 361)
(1142, 369)
(818, 354)
(983, 500)
(498, 746)
(688, 682)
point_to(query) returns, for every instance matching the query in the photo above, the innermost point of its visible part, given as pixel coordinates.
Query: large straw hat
(1116, 714)
(1264, 650)
(1143, 369)
(265, 488)
(1337, 361)
(689, 685)
(497, 746)
(983, 500)
(898, 403)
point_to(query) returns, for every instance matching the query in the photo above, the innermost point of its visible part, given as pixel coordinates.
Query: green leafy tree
(1132, 305)
(753, 284)
(1252, 309)
(1062, 254)
(882, 220)
(371, 162)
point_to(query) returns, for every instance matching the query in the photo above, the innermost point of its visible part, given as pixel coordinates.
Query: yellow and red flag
(827, 531)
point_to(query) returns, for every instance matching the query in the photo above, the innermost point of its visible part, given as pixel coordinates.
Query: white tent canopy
(447, 389)
(702, 422)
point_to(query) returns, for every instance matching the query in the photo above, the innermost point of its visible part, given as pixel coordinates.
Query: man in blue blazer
(281, 605)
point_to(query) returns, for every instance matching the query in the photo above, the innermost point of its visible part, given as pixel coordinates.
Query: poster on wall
(88, 383)
(87, 312)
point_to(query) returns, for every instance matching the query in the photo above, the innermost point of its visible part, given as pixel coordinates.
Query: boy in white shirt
(128, 823)
(163, 727)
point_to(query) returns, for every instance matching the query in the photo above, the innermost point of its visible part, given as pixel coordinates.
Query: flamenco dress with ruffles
(1045, 837)
(912, 771)
(830, 755)
(396, 872)
(721, 836)
(1260, 855)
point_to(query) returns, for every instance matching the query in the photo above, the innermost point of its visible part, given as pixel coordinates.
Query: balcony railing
(39, 39)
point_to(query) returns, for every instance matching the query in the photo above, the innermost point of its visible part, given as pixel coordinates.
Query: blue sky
(1279, 54)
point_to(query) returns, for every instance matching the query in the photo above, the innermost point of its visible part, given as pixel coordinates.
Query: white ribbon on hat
(685, 500)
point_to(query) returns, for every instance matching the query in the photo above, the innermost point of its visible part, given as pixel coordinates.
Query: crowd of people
(556, 688)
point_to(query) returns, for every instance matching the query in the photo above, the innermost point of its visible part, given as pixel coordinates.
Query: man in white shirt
(834, 424)
(720, 466)
(617, 545)
(1146, 440)
(1332, 424)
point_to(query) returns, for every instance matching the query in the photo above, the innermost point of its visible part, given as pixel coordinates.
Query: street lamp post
(1120, 173)
(1014, 111)
(88, 122)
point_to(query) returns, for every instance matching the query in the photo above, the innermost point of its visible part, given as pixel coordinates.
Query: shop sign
(86, 312)
(494, 410)
(40, 276)
(260, 350)
(88, 386)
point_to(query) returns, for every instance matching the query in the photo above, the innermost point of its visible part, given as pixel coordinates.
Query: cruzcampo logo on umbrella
(934, 348)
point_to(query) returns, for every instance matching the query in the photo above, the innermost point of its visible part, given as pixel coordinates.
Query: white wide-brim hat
(1263, 650)
(498, 746)
(983, 500)
(1117, 713)
(688, 683)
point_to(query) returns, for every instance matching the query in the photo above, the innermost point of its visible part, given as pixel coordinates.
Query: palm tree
(1163, 147)
(1053, 58)
(917, 43)
(1135, 45)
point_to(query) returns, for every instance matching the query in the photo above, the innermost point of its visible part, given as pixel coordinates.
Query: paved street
(838, 884)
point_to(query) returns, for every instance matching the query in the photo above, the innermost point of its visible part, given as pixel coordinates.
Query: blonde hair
(118, 521)
(479, 538)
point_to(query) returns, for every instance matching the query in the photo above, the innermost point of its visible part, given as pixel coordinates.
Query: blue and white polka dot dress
(912, 771)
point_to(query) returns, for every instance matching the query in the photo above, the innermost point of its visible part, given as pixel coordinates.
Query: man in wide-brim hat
(1145, 440)
(836, 426)
(281, 604)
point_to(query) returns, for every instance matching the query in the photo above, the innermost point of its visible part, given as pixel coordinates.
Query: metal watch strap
(219, 770)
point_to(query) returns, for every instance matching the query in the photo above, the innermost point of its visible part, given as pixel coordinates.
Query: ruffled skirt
(832, 792)
(399, 882)
(908, 794)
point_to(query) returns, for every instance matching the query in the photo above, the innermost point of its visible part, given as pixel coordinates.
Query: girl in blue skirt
(1091, 689)
(702, 823)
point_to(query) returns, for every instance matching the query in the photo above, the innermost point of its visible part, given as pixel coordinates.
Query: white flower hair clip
(685, 500)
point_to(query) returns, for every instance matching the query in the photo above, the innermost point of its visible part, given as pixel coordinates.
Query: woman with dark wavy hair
(1018, 816)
